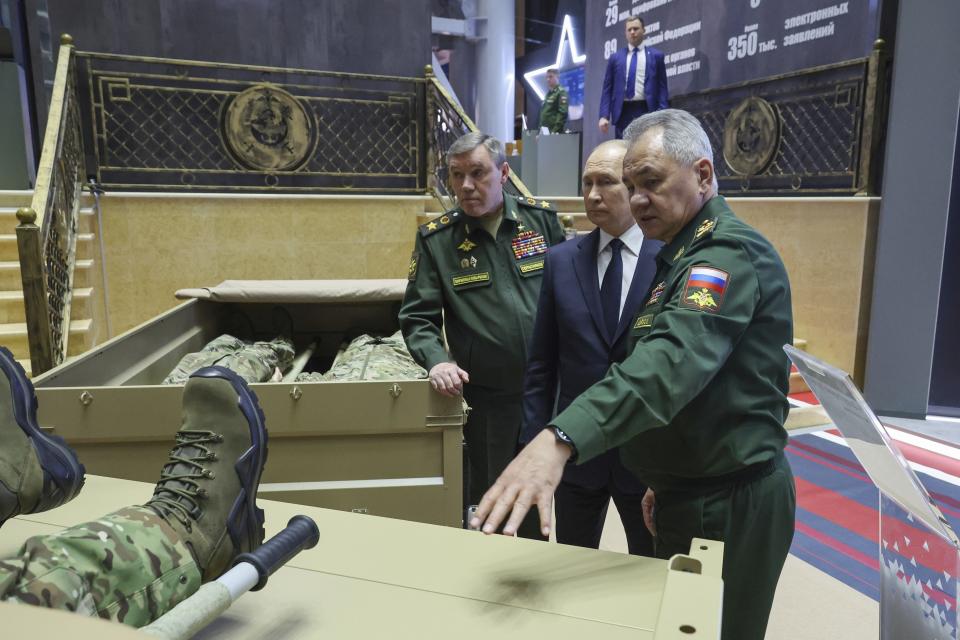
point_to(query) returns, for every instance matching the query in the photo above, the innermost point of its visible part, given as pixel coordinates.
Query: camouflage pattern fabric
(371, 358)
(254, 362)
(128, 566)
(310, 376)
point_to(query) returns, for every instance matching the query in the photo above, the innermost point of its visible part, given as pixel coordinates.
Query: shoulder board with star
(443, 222)
(705, 229)
(535, 204)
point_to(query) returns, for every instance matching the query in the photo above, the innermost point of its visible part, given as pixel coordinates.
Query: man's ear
(504, 173)
(704, 170)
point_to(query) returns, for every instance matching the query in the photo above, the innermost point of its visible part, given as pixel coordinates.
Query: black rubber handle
(301, 533)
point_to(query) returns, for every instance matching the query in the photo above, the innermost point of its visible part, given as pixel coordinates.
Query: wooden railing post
(874, 122)
(34, 291)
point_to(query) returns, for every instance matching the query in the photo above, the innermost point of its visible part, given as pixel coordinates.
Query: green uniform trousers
(492, 432)
(755, 522)
(129, 566)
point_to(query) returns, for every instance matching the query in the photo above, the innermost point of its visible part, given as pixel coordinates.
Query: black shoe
(207, 490)
(38, 471)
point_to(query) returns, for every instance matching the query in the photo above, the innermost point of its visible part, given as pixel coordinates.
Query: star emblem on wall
(566, 52)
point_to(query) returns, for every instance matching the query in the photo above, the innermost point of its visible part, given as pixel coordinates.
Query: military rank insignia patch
(644, 321)
(705, 227)
(528, 244)
(412, 269)
(704, 289)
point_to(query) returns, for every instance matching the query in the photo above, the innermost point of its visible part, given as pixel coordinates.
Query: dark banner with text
(713, 43)
(708, 44)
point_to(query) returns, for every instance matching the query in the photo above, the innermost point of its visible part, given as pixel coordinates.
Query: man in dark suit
(591, 289)
(635, 82)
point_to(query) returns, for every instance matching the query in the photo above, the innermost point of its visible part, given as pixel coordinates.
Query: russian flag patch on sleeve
(705, 288)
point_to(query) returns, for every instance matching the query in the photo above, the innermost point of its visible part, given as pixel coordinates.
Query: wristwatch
(563, 438)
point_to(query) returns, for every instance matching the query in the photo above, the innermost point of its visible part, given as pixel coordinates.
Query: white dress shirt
(641, 71)
(632, 240)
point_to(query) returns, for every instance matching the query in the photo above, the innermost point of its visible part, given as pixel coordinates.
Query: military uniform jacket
(704, 390)
(482, 291)
(553, 111)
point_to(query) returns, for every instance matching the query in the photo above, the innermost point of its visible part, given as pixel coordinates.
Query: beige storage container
(391, 448)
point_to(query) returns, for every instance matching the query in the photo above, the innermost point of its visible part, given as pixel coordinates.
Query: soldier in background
(135, 564)
(553, 111)
(475, 274)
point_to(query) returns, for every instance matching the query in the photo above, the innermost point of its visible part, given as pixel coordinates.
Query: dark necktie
(610, 288)
(631, 76)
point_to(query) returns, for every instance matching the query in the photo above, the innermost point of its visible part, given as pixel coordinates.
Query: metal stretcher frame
(373, 577)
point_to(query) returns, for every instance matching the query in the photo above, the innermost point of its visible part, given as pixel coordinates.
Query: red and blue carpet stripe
(837, 527)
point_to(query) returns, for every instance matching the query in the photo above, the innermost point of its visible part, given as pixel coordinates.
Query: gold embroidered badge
(432, 225)
(704, 228)
(703, 299)
(459, 281)
(644, 322)
(467, 245)
(535, 265)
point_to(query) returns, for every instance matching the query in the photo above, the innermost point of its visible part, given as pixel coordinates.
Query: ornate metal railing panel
(815, 131)
(446, 121)
(48, 251)
(160, 124)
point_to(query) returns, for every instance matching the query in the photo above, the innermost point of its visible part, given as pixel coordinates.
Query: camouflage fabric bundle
(254, 362)
(129, 566)
(371, 358)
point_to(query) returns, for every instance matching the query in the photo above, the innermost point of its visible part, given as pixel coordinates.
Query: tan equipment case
(389, 448)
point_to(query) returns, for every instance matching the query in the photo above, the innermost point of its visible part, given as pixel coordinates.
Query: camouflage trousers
(253, 362)
(128, 566)
(370, 358)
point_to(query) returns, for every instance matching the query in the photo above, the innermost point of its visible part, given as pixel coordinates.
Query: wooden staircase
(13, 327)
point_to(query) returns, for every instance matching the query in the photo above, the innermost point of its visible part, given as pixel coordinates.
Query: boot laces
(178, 491)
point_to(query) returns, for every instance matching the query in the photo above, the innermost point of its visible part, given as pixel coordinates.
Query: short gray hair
(684, 139)
(470, 141)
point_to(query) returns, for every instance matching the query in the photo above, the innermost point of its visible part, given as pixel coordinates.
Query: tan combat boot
(207, 490)
(38, 471)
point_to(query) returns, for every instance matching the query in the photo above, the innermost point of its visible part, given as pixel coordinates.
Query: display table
(550, 164)
(373, 577)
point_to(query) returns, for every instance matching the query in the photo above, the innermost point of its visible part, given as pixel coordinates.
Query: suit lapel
(640, 284)
(585, 266)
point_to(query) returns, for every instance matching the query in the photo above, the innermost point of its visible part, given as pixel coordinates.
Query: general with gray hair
(470, 141)
(684, 138)
(468, 311)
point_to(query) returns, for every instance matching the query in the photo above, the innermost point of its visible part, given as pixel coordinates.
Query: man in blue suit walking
(591, 290)
(635, 82)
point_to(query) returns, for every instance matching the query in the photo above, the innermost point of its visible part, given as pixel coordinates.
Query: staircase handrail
(47, 233)
(447, 121)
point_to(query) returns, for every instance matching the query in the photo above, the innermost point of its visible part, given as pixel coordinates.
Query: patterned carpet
(837, 526)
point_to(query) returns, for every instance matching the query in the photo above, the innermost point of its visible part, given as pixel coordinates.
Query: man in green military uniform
(137, 563)
(475, 275)
(553, 111)
(699, 404)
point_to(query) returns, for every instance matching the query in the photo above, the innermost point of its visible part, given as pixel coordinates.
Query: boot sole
(57, 459)
(249, 467)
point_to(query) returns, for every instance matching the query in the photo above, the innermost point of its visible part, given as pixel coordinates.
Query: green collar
(694, 230)
(510, 213)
